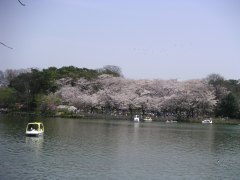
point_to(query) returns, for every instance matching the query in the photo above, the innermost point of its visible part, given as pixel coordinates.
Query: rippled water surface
(104, 149)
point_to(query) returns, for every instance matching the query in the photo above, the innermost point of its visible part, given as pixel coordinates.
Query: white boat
(34, 129)
(136, 118)
(171, 121)
(148, 119)
(207, 121)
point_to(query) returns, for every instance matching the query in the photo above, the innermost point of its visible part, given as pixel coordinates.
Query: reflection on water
(100, 149)
(136, 125)
(35, 143)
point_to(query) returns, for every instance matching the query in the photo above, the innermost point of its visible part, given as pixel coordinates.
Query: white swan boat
(207, 121)
(136, 118)
(171, 121)
(34, 129)
(147, 119)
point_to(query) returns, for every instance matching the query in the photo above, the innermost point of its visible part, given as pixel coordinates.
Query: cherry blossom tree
(122, 96)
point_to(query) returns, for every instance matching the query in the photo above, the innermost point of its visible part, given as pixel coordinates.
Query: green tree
(21, 84)
(112, 70)
(47, 103)
(229, 106)
(7, 97)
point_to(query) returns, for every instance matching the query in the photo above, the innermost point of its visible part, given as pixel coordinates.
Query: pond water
(110, 149)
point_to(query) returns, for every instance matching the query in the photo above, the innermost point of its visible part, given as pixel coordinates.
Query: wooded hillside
(106, 91)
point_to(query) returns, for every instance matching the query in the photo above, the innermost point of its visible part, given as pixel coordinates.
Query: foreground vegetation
(105, 91)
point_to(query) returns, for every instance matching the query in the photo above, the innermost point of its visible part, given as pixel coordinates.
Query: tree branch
(21, 3)
(6, 45)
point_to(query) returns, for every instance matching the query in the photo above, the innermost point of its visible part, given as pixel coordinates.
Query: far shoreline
(223, 121)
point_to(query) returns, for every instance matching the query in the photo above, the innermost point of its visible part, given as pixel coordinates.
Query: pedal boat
(34, 129)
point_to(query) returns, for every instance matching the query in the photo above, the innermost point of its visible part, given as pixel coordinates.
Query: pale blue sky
(148, 39)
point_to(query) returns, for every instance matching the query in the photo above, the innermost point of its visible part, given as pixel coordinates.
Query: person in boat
(32, 128)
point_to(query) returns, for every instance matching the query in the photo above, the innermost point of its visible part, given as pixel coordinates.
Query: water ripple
(119, 150)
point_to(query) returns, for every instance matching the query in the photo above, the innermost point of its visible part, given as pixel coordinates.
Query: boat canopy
(35, 126)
